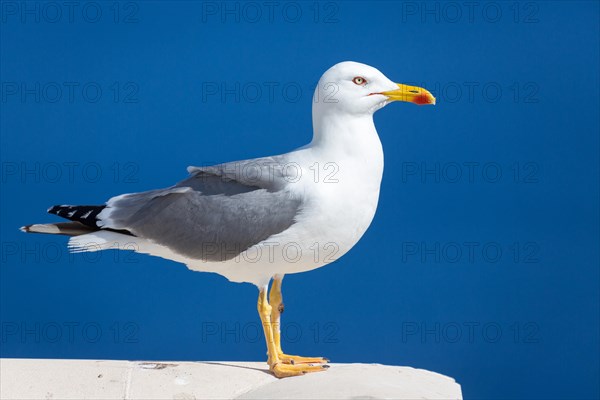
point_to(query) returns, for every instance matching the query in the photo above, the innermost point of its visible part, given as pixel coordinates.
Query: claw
(293, 360)
(285, 370)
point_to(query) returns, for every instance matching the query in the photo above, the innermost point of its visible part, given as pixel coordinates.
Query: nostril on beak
(414, 91)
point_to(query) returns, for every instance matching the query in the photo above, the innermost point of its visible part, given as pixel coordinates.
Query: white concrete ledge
(96, 379)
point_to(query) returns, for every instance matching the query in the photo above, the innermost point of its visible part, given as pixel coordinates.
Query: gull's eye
(359, 80)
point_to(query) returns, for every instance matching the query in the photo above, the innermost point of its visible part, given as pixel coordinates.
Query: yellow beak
(412, 94)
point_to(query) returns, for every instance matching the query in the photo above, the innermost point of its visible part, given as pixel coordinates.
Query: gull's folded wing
(213, 215)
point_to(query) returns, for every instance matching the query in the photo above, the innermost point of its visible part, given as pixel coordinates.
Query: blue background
(521, 324)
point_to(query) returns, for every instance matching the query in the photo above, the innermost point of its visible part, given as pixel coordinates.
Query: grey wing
(210, 216)
(271, 173)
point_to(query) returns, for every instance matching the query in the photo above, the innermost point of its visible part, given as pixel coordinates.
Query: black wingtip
(84, 214)
(57, 209)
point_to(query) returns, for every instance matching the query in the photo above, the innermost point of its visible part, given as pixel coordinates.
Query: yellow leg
(278, 368)
(276, 300)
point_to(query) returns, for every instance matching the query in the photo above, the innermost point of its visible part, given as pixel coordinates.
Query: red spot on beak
(423, 99)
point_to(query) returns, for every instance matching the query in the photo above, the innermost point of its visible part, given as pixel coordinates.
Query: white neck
(354, 135)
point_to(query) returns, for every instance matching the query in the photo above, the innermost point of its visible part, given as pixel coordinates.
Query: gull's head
(359, 89)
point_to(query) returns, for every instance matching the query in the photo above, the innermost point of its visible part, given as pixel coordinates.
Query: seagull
(260, 219)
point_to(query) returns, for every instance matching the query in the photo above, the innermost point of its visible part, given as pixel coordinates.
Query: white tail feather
(41, 228)
(100, 240)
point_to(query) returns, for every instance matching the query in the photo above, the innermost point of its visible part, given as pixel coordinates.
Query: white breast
(340, 191)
